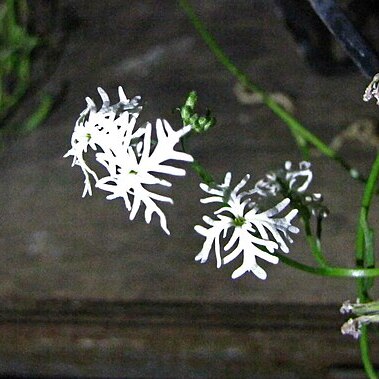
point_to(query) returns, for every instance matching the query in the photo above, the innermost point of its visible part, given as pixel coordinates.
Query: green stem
(368, 195)
(316, 250)
(295, 126)
(364, 256)
(200, 170)
(204, 174)
(305, 215)
(338, 272)
(313, 242)
(365, 353)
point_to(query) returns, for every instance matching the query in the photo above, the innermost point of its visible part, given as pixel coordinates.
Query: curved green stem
(365, 353)
(297, 129)
(363, 228)
(313, 242)
(305, 215)
(204, 174)
(365, 257)
(200, 170)
(316, 250)
(339, 272)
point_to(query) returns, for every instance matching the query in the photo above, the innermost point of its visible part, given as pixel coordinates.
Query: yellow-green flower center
(239, 221)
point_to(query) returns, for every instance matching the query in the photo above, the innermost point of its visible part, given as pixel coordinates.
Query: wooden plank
(175, 339)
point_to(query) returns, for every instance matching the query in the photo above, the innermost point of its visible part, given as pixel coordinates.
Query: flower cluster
(246, 229)
(130, 156)
(200, 124)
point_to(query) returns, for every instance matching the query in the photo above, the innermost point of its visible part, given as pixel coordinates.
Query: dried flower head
(293, 182)
(285, 179)
(372, 90)
(367, 313)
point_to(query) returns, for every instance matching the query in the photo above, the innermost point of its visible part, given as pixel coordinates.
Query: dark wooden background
(85, 292)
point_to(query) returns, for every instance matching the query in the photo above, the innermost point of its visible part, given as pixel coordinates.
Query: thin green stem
(200, 170)
(368, 195)
(295, 126)
(365, 353)
(364, 257)
(313, 242)
(316, 250)
(305, 215)
(338, 272)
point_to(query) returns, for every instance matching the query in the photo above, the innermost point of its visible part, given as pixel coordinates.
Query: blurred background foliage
(30, 47)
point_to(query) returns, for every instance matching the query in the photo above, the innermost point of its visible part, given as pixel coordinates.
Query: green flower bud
(202, 121)
(200, 124)
(191, 100)
(185, 112)
(210, 122)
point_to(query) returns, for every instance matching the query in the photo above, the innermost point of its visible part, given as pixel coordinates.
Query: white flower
(131, 171)
(247, 230)
(132, 159)
(106, 128)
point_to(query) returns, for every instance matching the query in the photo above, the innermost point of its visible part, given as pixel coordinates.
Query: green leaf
(191, 100)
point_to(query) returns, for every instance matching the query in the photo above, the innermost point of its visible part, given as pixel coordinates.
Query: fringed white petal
(132, 159)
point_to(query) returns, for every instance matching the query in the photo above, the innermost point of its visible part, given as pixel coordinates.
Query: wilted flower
(248, 230)
(131, 157)
(372, 90)
(366, 313)
(293, 182)
(286, 179)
